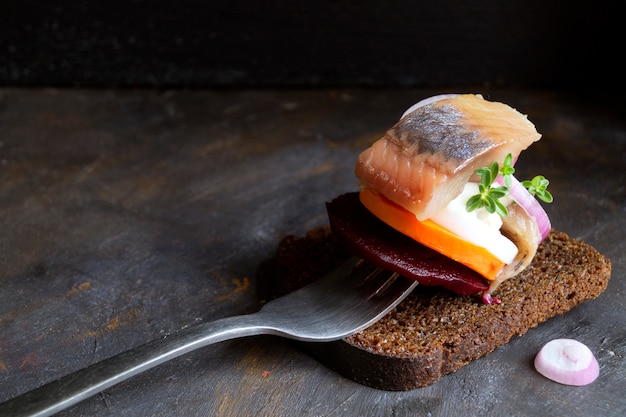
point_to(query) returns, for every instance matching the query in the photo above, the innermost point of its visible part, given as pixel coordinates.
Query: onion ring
(529, 203)
(426, 102)
(567, 362)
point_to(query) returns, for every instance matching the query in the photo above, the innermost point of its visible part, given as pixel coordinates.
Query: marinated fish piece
(522, 229)
(425, 159)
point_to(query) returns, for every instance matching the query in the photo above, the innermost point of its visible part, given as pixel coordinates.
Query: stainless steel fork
(346, 301)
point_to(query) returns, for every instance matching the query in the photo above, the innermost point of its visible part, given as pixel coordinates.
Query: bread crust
(435, 332)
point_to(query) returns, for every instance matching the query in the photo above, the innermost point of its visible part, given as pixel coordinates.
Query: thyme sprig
(538, 186)
(489, 196)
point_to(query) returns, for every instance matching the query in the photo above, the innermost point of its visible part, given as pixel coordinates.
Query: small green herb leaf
(501, 209)
(498, 192)
(474, 203)
(507, 170)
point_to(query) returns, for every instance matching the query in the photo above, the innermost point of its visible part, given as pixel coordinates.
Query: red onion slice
(567, 362)
(529, 203)
(426, 102)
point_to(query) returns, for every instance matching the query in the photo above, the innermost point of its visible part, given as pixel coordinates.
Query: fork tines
(384, 278)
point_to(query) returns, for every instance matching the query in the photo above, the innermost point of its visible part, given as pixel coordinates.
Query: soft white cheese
(478, 227)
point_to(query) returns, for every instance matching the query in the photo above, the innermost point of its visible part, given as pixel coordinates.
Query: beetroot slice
(367, 237)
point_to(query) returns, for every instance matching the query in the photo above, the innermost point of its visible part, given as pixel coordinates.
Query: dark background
(225, 43)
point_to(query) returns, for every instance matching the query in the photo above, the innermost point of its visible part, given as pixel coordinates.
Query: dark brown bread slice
(435, 332)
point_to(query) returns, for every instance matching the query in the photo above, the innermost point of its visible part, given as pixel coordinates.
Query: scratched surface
(127, 215)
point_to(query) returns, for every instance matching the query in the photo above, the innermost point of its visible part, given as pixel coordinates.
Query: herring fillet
(423, 161)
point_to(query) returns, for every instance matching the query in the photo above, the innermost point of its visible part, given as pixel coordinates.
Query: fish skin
(427, 135)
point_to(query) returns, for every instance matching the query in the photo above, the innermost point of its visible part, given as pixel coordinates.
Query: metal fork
(346, 301)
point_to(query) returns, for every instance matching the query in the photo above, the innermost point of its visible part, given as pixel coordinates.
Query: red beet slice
(368, 237)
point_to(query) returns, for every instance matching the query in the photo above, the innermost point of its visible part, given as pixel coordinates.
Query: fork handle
(73, 388)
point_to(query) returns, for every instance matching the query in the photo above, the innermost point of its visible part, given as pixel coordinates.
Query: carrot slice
(432, 235)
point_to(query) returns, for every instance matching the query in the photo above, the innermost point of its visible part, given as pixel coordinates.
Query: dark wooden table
(127, 215)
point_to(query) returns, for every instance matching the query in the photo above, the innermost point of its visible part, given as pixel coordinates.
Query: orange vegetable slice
(431, 234)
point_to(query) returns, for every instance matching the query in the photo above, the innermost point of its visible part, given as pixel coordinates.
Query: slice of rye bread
(435, 332)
